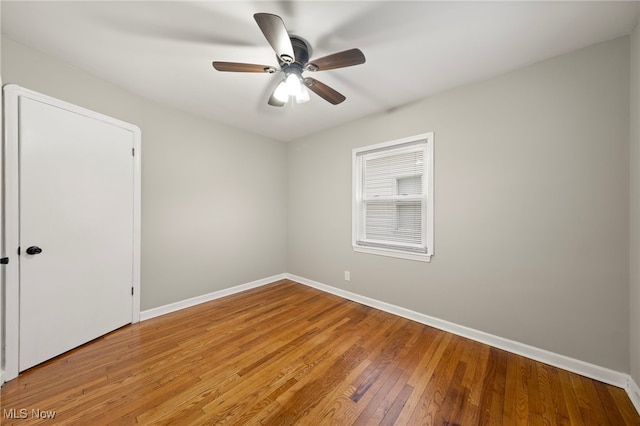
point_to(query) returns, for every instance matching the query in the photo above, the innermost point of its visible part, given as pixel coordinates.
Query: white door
(76, 187)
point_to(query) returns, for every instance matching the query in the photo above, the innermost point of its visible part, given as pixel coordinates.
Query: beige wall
(213, 197)
(531, 207)
(634, 252)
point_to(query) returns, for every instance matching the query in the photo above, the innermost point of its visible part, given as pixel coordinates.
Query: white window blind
(391, 197)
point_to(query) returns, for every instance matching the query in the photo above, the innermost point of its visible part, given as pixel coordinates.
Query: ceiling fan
(293, 54)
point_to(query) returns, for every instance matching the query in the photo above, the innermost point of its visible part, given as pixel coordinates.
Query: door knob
(34, 250)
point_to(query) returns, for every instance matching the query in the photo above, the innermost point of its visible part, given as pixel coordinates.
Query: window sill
(421, 257)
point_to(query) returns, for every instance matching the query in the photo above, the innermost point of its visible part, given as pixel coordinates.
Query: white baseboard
(634, 393)
(172, 307)
(592, 371)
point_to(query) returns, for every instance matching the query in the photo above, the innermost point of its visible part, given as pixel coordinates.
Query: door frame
(12, 94)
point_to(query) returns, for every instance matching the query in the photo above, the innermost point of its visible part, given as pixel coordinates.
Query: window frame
(422, 252)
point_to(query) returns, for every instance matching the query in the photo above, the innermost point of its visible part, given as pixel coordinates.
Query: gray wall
(531, 207)
(532, 201)
(213, 197)
(634, 247)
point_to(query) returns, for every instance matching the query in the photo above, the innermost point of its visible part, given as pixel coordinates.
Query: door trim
(12, 95)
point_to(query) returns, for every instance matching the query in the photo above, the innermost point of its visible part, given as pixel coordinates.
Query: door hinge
(18, 251)
(132, 291)
(133, 152)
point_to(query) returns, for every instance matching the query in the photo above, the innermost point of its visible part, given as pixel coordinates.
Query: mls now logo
(14, 413)
(23, 413)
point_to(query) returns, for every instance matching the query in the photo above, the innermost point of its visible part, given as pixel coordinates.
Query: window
(393, 198)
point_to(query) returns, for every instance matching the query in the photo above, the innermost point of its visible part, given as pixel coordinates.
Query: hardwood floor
(289, 354)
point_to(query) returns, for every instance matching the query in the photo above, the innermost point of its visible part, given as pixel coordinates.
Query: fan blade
(239, 67)
(343, 59)
(324, 91)
(276, 34)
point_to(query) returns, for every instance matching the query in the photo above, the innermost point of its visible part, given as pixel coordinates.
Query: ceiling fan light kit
(291, 86)
(292, 53)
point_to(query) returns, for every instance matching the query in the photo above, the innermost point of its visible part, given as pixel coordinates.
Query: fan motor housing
(301, 50)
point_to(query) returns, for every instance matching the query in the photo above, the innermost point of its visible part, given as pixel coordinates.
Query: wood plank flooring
(288, 354)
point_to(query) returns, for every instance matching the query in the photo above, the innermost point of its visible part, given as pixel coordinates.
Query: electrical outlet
(347, 276)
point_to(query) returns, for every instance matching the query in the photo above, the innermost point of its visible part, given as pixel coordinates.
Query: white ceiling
(163, 50)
